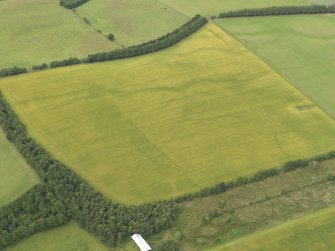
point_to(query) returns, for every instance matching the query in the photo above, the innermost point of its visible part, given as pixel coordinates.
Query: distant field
(214, 7)
(17, 176)
(69, 237)
(39, 31)
(300, 47)
(324, 1)
(204, 111)
(132, 21)
(313, 232)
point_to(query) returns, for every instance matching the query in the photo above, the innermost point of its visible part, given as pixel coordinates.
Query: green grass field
(17, 176)
(312, 232)
(39, 31)
(132, 21)
(214, 7)
(300, 47)
(66, 238)
(204, 111)
(328, 2)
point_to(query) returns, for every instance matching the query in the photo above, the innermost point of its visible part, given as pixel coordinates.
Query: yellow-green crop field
(157, 126)
(312, 232)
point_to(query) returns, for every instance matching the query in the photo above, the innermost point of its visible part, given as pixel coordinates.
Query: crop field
(68, 237)
(312, 232)
(160, 131)
(299, 47)
(95, 148)
(214, 7)
(39, 31)
(17, 176)
(132, 21)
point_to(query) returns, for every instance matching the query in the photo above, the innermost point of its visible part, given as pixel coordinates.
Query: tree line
(12, 71)
(154, 45)
(64, 62)
(171, 38)
(112, 222)
(149, 47)
(71, 4)
(279, 10)
(258, 176)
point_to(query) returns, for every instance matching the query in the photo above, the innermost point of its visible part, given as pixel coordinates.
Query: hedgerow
(279, 10)
(12, 71)
(258, 176)
(152, 46)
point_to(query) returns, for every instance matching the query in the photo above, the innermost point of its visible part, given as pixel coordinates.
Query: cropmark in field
(161, 125)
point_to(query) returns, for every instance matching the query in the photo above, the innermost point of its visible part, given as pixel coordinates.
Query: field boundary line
(76, 14)
(274, 69)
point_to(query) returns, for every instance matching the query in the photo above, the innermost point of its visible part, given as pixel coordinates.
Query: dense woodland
(71, 4)
(36, 210)
(284, 10)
